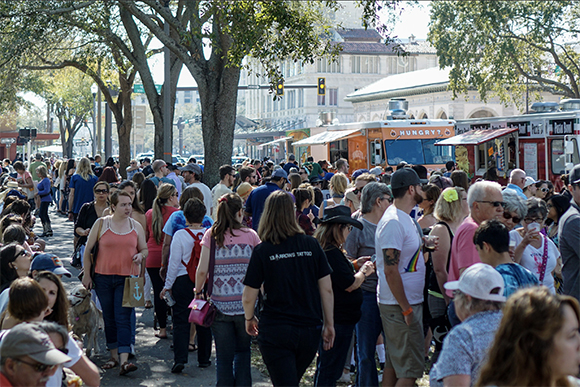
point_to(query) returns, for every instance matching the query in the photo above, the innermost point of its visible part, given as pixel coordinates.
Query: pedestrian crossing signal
(321, 86)
(280, 88)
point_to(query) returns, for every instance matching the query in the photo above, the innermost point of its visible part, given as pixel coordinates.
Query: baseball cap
(480, 281)
(49, 262)
(405, 177)
(575, 175)
(278, 173)
(529, 181)
(376, 171)
(30, 340)
(193, 168)
(359, 172)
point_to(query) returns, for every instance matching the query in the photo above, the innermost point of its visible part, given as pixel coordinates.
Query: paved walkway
(154, 356)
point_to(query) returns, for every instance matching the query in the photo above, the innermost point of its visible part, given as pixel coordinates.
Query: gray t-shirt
(569, 234)
(361, 243)
(465, 347)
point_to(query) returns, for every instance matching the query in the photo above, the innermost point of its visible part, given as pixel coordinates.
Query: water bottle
(169, 300)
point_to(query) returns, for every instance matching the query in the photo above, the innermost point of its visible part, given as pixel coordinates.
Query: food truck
(543, 143)
(383, 143)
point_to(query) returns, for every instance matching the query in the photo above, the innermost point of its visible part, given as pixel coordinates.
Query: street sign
(139, 89)
(253, 87)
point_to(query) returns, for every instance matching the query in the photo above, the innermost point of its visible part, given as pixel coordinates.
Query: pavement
(154, 357)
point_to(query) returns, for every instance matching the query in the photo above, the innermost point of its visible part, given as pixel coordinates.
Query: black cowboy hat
(340, 214)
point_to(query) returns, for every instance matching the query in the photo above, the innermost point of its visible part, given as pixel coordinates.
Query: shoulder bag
(203, 312)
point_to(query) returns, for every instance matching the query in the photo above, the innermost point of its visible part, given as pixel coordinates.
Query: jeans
(232, 345)
(368, 330)
(160, 305)
(287, 351)
(44, 213)
(183, 295)
(117, 318)
(330, 363)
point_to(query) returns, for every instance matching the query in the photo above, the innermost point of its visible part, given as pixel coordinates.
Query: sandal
(160, 337)
(148, 304)
(127, 367)
(192, 348)
(110, 364)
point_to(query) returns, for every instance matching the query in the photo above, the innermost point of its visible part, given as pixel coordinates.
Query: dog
(85, 317)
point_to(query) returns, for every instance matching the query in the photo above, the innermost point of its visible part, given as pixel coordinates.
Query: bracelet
(249, 319)
(408, 311)
(198, 294)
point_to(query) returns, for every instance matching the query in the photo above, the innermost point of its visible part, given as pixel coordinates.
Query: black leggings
(160, 305)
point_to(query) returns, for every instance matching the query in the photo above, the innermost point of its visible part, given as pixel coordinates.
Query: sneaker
(177, 368)
(204, 365)
(345, 378)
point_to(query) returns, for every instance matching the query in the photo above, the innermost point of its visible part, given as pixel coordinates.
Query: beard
(418, 198)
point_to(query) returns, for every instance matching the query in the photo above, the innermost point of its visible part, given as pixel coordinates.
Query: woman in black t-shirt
(297, 290)
(331, 234)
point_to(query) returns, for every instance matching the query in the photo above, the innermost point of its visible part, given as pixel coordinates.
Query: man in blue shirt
(491, 241)
(517, 181)
(290, 164)
(257, 199)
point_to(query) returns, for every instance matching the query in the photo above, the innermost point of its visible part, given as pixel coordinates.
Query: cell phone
(373, 258)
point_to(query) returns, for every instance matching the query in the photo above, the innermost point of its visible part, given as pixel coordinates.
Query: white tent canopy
(51, 149)
(326, 137)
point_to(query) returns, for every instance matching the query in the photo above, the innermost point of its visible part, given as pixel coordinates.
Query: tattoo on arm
(391, 257)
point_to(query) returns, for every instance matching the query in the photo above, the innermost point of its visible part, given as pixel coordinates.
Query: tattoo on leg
(391, 257)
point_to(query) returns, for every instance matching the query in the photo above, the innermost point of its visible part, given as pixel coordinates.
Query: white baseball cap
(480, 281)
(529, 181)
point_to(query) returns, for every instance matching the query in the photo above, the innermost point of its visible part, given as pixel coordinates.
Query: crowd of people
(384, 273)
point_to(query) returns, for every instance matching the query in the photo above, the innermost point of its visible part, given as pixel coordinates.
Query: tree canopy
(495, 46)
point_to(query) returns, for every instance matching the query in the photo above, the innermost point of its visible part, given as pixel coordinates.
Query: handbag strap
(94, 258)
(211, 267)
(544, 260)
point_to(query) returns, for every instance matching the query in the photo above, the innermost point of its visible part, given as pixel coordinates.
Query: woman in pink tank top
(122, 253)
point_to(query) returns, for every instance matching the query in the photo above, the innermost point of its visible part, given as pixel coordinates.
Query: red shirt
(4, 382)
(154, 254)
(463, 252)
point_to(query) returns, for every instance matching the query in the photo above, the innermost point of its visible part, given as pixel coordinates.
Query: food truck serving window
(559, 157)
(417, 152)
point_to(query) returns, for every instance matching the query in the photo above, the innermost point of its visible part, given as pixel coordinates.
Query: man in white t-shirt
(401, 271)
(192, 175)
(227, 177)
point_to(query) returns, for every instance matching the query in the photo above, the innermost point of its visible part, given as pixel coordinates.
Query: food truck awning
(325, 137)
(476, 137)
(275, 142)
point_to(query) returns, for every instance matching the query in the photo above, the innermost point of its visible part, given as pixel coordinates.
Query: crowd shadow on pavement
(154, 356)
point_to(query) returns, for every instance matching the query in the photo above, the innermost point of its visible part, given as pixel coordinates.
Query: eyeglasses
(531, 220)
(356, 191)
(303, 173)
(174, 194)
(101, 191)
(38, 367)
(545, 189)
(493, 203)
(23, 252)
(384, 198)
(509, 216)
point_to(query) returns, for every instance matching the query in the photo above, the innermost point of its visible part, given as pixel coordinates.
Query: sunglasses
(63, 350)
(545, 189)
(101, 191)
(509, 216)
(356, 191)
(493, 203)
(531, 220)
(38, 367)
(23, 252)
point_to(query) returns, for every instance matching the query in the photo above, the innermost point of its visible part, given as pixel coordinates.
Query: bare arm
(457, 381)
(202, 269)
(327, 298)
(391, 258)
(360, 276)
(142, 247)
(165, 255)
(440, 257)
(87, 371)
(249, 298)
(71, 199)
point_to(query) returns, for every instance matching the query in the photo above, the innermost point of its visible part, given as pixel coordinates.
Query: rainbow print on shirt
(412, 267)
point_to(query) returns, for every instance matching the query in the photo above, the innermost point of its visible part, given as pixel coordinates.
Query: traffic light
(321, 86)
(280, 88)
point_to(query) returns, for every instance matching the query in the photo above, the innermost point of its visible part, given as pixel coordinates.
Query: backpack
(191, 265)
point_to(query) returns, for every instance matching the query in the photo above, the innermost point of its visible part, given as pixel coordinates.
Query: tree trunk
(124, 127)
(218, 113)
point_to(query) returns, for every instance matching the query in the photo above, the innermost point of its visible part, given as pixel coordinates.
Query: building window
(187, 96)
(300, 98)
(324, 65)
(402, 64)
(291, 99)
(333, 97)
(321, 100)
(365, 64)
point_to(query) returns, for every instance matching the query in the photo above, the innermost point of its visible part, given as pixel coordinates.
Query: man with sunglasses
(28, 357)
(569, 232)
(517, 181)
(485, 202)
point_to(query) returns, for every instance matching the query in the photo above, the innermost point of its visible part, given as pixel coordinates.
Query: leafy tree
(497, 46)
(69, 91)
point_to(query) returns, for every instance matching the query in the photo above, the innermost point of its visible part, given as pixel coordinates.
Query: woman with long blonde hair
(81, 188)
(164, 205)
(338, 186)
